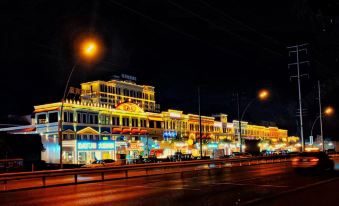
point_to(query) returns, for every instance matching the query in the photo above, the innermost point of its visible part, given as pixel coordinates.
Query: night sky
(224, 47)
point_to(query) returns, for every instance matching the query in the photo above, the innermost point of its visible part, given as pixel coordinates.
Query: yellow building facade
(117, 118)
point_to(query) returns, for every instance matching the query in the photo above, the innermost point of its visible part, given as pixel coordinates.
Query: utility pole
(200, 133)
(239, 125)
(296, 49)
(321, 118)
(147, 147)
(61, 120)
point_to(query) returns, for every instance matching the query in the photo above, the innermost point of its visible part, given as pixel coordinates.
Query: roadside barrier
(41, 179)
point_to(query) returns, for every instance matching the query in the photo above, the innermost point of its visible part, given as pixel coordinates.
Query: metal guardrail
(146, 168)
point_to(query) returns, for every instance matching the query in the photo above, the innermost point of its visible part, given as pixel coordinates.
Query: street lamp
(262, 95)
(200, 129)
(327, 112)
(88, 50)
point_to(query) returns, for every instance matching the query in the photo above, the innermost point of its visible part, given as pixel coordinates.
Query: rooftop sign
(128, 77)
(175, 115)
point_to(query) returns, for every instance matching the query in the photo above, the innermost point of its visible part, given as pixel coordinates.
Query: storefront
(121, 147)
(88, 151)
(181, 146)
(135, 150)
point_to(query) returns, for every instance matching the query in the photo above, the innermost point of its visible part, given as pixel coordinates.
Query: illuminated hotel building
(106, 123)
(115, 91)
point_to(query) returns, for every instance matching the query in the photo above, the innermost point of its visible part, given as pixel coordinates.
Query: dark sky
(222, 46)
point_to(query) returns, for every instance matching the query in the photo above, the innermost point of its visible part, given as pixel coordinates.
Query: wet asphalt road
(247, 185)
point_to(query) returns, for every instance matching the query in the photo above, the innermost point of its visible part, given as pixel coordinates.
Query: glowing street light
(328, 111)
(87, 50)
(90, 48)
(263, 94)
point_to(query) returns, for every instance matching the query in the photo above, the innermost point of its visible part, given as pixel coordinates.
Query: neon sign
(106, 145)
(128, 77)
(100, 145)
(212, 145)
(136, 145)
(119, 143)
(87, 145)
(175, 115)
(170, 134)
(180, 144)
(156, 146)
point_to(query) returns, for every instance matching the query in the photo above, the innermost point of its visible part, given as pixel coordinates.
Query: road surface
(90, 177)
(266, 184)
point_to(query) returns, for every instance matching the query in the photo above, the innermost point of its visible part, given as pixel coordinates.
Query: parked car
(293, 153)
(101, 163)
(226, 156)
(178, 156)
(264, 153)
(151, 159)
(330, 151)
(188, 157)
(241, 155)
(203, 157)
(312, 160)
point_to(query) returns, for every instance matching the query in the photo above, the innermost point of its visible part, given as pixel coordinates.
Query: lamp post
(89, 50)
(328, 112)
(200, 129)
(262, 95)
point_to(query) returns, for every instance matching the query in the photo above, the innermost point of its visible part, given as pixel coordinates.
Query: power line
(221, 28)
(168, 26)
(222, 13)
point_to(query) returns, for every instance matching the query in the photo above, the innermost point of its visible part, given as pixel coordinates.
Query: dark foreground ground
(266, 184)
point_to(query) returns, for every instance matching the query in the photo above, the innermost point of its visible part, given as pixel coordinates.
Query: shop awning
(156, 151)
(135, 131)
(143, 131)
(126, 131)
(155, 118)
(203, 136)
(116, 130)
